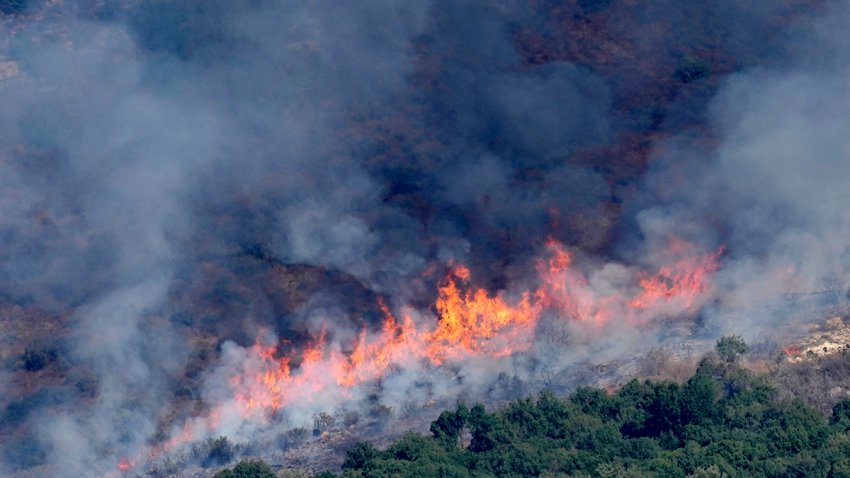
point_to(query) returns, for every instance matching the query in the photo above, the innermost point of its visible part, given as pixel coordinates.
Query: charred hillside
(260, 219)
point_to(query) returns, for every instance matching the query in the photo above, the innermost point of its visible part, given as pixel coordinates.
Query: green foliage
(449, 425)
(841, 469)
(484, 430)
(247, 469)
(699, 398)
(722, 422)
(711, 472)
(360, 456)
(730, 347)
(841, 415)
(410, 447)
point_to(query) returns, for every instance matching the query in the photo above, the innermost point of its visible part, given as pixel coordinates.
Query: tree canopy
(724, 421)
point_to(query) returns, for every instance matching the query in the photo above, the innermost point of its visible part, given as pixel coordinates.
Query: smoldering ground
(167, 169)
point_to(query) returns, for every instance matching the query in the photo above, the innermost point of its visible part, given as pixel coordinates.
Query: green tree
(247, 469)
(841, 415)
(841, 469)
(723, 422)
(360, 456)
(449, 425)
(730, 347)
(699, 398)
(710, 472)
(483, 429)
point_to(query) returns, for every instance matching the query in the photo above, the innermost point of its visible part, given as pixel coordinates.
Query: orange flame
(476, 323)
(190, 432)
(566, 289)
(471, 322)
(125, 465)
(682, 283)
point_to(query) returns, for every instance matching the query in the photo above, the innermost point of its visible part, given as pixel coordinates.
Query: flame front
(681, 283)
(470, 322)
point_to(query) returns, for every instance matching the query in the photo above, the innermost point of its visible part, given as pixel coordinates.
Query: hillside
(272, 229)
(722, 421)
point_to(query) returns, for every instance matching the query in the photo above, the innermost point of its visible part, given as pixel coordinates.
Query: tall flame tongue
(680, 284)
(471, 322)
(566, 290)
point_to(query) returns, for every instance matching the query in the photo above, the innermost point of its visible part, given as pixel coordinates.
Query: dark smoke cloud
(98, 161)
(120, 135)
(141, 142)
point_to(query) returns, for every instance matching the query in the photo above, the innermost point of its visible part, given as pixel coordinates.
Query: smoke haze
(185, 183)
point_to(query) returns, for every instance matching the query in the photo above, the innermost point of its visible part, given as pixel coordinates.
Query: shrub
(359, 456)
(644, 429)
(730, 347)
(247, 469)
(221, 452)
(841, 415)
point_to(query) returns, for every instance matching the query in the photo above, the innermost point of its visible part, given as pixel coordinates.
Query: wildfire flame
(683, 282)
(125, 465)
(470, 322)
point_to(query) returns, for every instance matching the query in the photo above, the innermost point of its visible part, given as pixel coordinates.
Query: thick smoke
(95, 164)
(123, 130)
(161, 162)
(774, 189)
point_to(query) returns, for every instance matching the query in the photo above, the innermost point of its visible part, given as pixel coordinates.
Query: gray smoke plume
(775, 187)
(180, 179)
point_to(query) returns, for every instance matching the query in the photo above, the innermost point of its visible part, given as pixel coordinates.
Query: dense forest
(724, 421)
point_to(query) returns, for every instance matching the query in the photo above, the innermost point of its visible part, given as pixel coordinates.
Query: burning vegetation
(226, 223)
(470, 323)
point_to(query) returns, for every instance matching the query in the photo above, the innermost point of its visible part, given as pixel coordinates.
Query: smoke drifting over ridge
(158, 160)
(775, 188)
